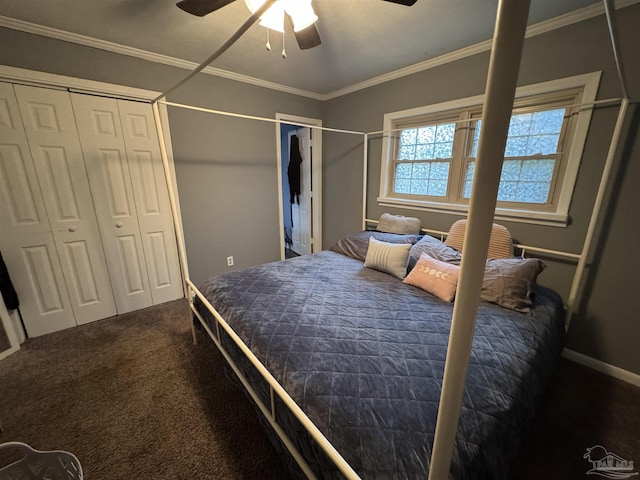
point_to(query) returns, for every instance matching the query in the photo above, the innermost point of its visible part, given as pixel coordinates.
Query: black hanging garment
(9, 294)
(293, 172)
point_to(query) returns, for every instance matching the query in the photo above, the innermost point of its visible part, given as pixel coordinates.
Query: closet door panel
(22, 209)
(46, 308)
(152, 200)
(53, 139)
(106, 162)
(25, 237)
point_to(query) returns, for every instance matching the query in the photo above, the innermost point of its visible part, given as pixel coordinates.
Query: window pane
(444, 132)
(467, 189)
(534, 133)
(476, 139)
(402, 185)
(424, 152)
(407, 153)
(526, 181)
(422, 178)
(468, 179)
(408, 136)
(443, 150)
(511, 170)
(419, 187)
(427, 143)
(520, 125)
(420, 170)
(538, 170)
(403, 170)
(516, 147)
(548, 121)
(507, 192)
(438, 188)
(533, 192)
(543, 144)
(427, 134)
(439, 170)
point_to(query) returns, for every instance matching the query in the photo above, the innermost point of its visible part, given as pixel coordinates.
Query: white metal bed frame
(505, 58)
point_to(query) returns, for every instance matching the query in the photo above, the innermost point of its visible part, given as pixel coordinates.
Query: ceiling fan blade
(202, 7)
(307, 38)
(407, 3)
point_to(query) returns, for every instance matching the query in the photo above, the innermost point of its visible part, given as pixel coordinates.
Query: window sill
(511, 215)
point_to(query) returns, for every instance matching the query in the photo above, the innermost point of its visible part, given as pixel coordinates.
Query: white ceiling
(361, 39)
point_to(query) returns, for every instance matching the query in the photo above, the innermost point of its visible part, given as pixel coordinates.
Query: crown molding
(86, 41)
(533, 30)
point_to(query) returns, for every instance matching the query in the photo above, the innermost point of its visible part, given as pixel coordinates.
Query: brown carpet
(134, 399)
(583, 408)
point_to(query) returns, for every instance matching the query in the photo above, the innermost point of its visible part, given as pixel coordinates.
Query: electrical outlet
(230, 261)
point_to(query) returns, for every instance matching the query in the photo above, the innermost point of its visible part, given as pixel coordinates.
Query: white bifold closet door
(123, 159)
(25, 234)
(50, 128)
(86, 228)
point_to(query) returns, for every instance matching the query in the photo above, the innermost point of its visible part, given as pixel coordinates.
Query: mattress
(363, 355)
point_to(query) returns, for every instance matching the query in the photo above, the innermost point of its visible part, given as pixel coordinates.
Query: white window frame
(588, 83)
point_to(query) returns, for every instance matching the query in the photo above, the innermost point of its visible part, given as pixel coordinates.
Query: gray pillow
(435, 249)
(356, 245)
(399, 224)
(510, 281)
(388, 257)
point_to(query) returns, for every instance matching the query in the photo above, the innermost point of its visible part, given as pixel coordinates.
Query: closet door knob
(72, 229)
(118, 225)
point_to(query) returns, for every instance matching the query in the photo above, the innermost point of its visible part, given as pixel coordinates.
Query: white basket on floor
(37, 465)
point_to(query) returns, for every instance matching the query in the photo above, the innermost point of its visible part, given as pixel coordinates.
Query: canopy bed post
(576, 286)
(609, 10)
(508, 40)
(174, 207)
(365, 168)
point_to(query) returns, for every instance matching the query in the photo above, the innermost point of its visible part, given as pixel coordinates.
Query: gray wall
(225, 167)
(606, 326)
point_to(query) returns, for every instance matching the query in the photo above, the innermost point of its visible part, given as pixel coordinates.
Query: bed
(362, 354)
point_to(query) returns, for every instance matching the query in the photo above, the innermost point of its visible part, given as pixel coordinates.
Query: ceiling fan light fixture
(301, 12)
(274, 18)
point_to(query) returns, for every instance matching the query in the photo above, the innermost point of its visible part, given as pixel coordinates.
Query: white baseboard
(600, 366)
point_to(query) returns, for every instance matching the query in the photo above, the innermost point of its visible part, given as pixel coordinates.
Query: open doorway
(300, 184)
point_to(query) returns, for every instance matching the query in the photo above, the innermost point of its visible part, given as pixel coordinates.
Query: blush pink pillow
(434, 276)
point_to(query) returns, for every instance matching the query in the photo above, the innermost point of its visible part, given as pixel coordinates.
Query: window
(424, 155)
(429, 155)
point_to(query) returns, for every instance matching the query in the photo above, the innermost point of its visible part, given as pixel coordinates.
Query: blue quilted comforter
(363, 355)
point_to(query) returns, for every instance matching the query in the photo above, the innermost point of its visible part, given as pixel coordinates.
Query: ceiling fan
(299, 13)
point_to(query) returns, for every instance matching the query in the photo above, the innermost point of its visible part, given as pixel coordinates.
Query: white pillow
(388, 257)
